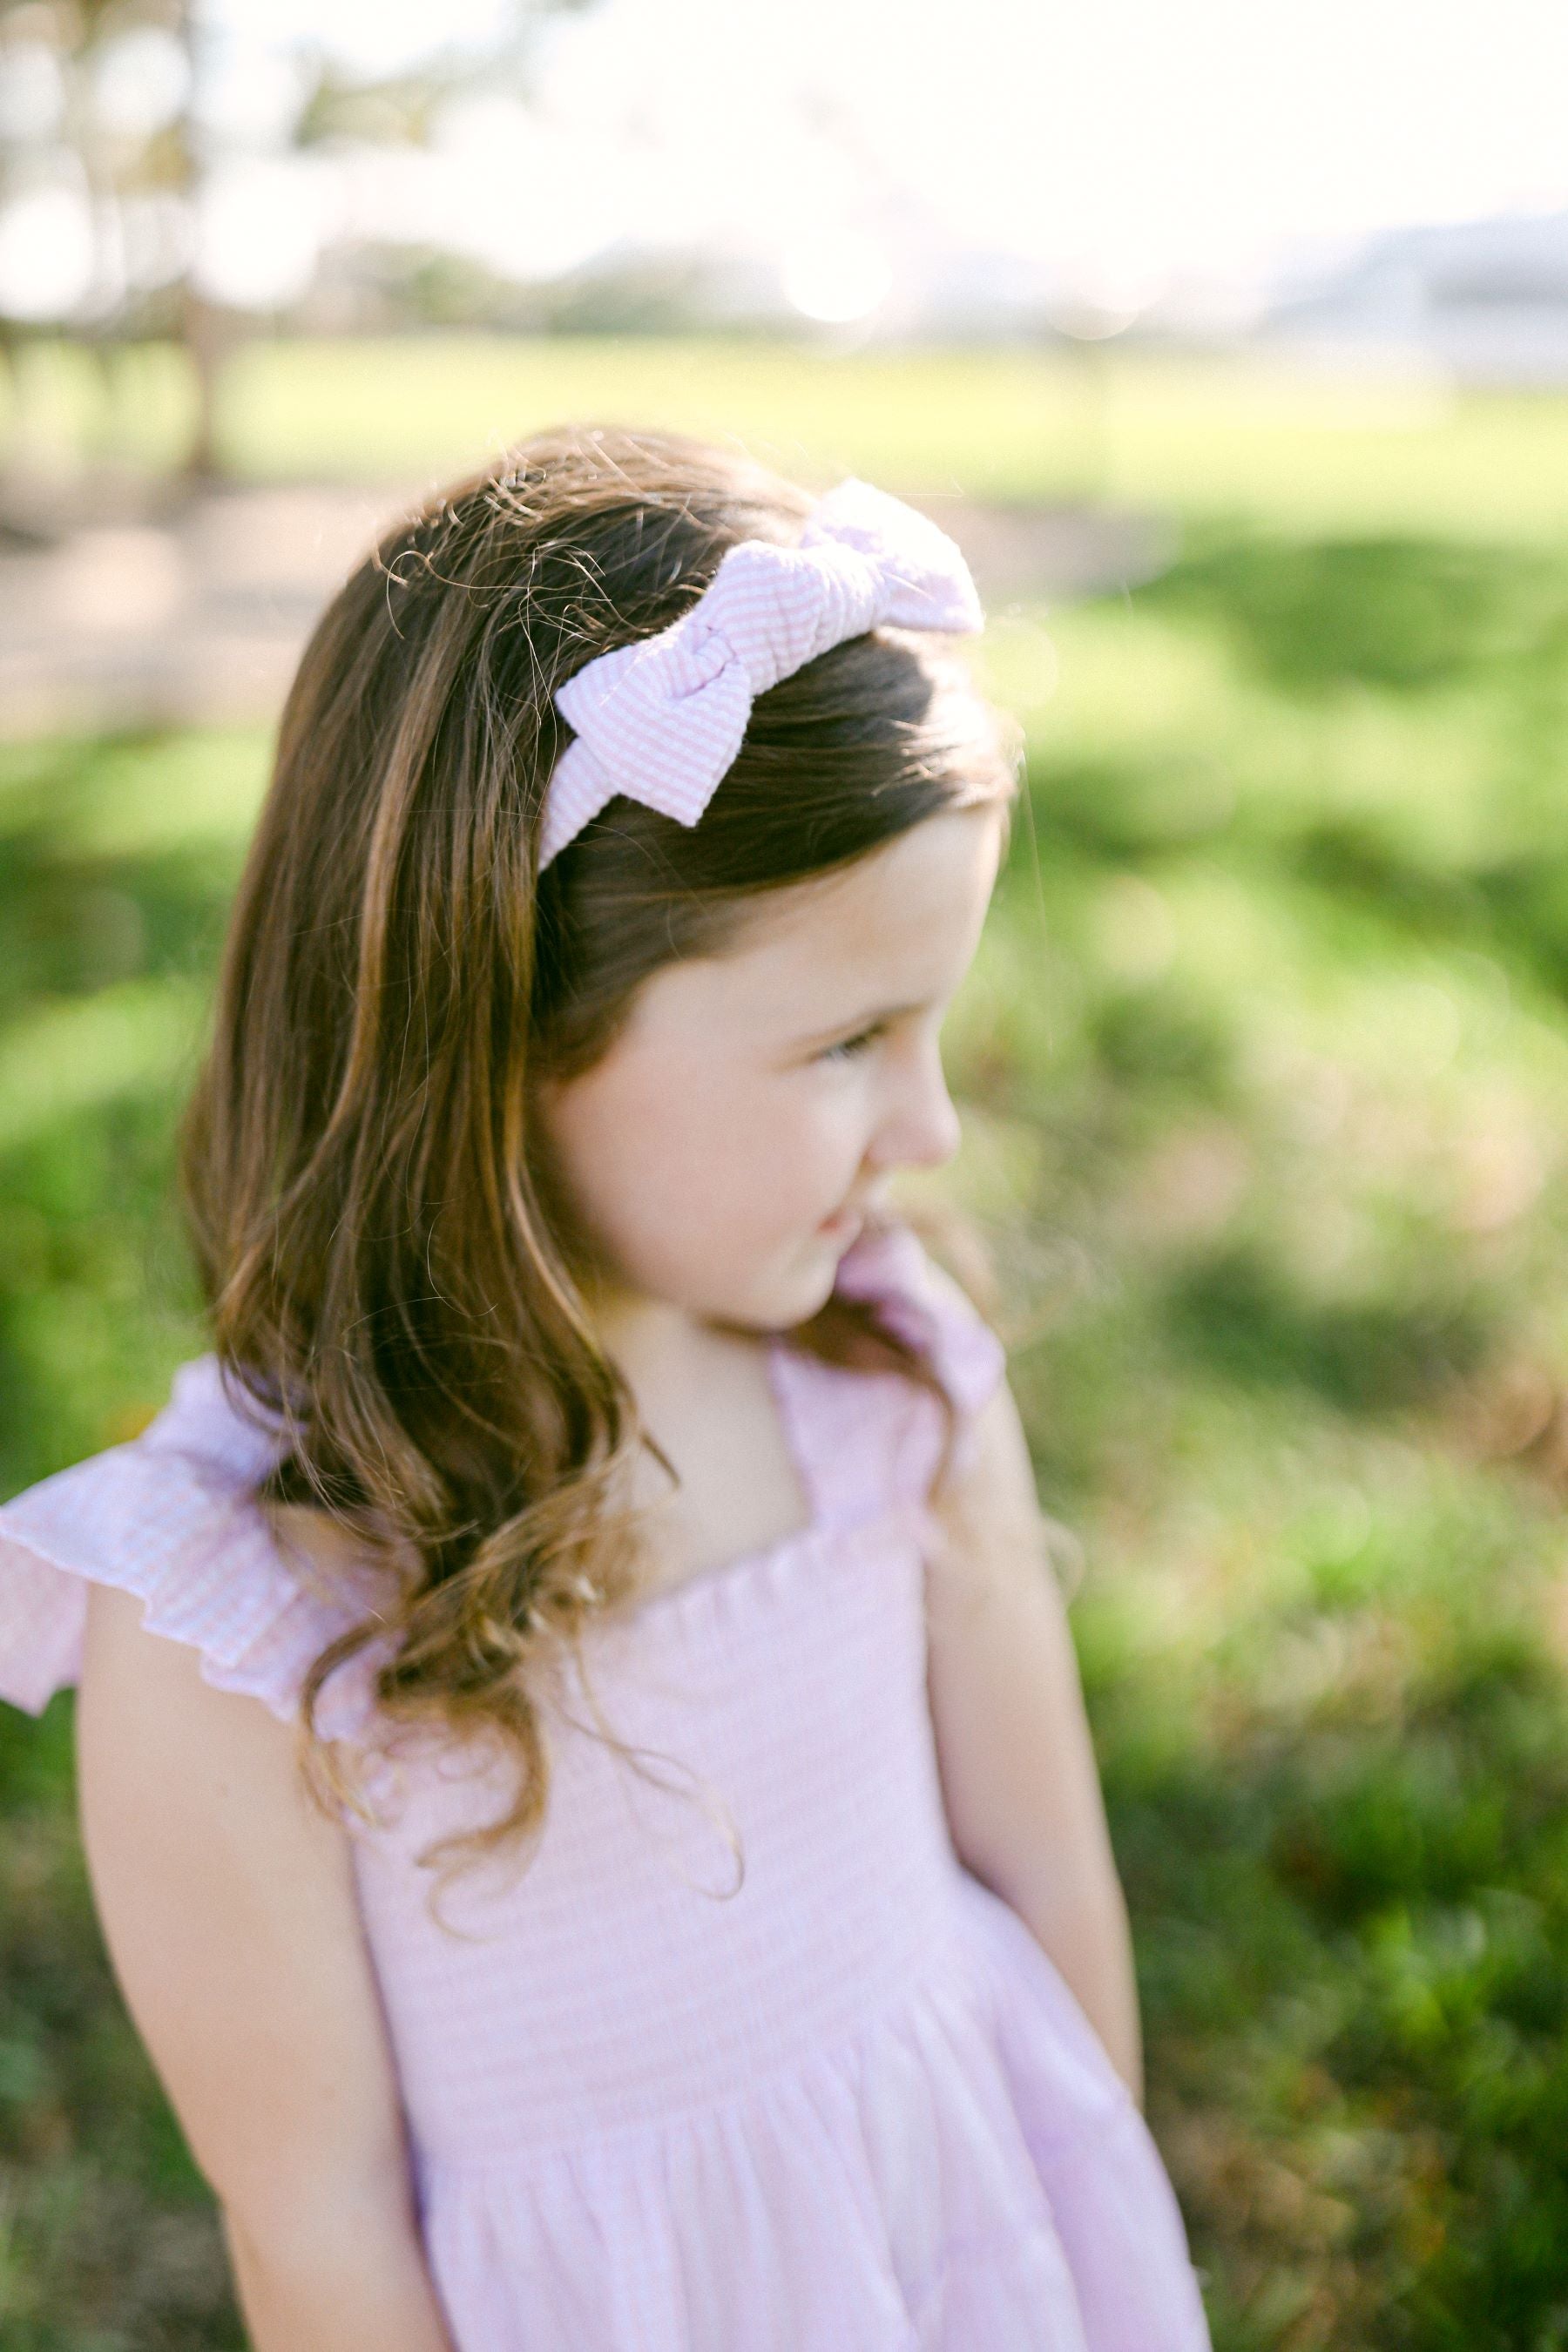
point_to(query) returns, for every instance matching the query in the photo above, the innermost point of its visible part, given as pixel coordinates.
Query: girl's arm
(1018, 1775)
(226, 1900)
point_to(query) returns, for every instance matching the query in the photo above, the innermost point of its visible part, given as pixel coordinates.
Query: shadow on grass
(1393, 2015)
(1404, 615)
(1109, 815)
(72, 921)
(1235, 1312)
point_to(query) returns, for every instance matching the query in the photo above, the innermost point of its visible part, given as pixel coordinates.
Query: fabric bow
(662, 721)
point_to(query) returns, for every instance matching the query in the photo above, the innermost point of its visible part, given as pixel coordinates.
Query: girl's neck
(654, 1342)
(705, 1395)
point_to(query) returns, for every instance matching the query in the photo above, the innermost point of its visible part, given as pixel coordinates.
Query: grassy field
(1252, 439)
(1264, 1066)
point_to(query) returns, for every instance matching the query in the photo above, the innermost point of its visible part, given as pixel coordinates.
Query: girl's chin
(810, 1286)
(799, 1286)
(831, 1242)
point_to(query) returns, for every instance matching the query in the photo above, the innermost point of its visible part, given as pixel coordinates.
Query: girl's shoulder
(869, 1436)
(171, 1518)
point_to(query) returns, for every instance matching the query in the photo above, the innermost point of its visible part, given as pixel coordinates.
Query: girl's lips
(842, 1222)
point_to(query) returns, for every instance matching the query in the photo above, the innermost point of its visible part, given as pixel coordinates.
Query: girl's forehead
(918, 895)
(897, 926)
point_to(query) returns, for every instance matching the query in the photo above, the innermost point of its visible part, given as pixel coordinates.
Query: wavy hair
(384, 1262)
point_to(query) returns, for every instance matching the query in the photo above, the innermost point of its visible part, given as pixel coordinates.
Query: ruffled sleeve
(924, 1307)
(888, 1432)
(171, 1518)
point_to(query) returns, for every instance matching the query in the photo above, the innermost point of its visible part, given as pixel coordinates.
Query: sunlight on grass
(1253, 438)
(73, 1057)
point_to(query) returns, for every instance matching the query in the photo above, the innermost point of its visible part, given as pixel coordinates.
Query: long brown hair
(386, 1263)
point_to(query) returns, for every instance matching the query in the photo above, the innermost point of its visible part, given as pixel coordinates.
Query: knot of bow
(662, 719)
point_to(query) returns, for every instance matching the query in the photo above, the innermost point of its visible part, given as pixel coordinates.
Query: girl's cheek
(843, 1133)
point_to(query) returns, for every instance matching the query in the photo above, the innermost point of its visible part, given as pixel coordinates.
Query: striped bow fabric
(663, 720)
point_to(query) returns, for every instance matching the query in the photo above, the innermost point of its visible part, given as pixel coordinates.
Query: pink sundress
(744, 2061)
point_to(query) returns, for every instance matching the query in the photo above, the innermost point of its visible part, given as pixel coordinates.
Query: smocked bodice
(741, 2059)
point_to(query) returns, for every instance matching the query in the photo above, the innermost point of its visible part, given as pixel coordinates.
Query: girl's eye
(848, 1047)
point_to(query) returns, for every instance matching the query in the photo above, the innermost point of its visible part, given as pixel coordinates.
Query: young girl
(661, 1902)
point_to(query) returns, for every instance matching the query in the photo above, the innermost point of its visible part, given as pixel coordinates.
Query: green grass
(1252, 438)
(1269, 1060)
(1265, 1062)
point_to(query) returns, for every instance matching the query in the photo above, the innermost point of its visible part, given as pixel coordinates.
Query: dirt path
(199, 613)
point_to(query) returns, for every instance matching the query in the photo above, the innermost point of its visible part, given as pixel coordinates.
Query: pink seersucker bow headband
(662, 719)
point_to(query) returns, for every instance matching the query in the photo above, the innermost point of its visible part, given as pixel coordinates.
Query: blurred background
(1231, 343)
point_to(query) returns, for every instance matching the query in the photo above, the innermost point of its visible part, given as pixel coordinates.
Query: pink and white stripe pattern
(747, 2060)
(662, 721)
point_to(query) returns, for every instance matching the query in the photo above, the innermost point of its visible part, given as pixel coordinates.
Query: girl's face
(722, 1154)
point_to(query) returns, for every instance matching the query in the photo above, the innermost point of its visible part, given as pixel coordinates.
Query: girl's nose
(919, 1128)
